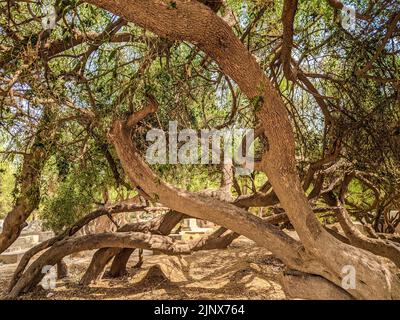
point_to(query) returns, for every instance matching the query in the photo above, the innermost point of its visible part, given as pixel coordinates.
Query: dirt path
(242, 271)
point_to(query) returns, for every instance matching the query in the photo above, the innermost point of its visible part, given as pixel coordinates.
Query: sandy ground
(243, 271)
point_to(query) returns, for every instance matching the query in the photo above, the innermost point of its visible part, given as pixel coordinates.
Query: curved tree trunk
(33, 275)
(220, 239)
(33, 163)
(109, 244)
(97, 265)
(161, 225)
(191, 21)
(123, 206)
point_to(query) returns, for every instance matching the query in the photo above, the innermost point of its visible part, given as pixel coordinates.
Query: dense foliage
(94, 66)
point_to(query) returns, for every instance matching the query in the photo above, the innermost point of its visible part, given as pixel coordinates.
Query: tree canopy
(281, 67)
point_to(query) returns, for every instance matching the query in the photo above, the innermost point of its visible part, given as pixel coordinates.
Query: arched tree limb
(112, 241)
(381, 247)
(34, 274)
(124, 206)
(219, 239)
(194, 22)
(160, 225)
(288, 15)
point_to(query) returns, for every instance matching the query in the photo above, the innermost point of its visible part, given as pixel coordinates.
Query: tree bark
(62, 269)
(194, 22)
(161, 225)
(33, 275)
(110, 243)
(123, 206)
(298, 285)
(97, 265)
(118, 266)
(381, 247)
(33, 163)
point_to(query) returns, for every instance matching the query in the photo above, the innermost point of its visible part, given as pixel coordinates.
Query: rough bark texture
(298, 285)
(194, 22)
(62, 269)
(125, 206)
(29, 196)
(33, 274)
(381, 247)
(161, 225)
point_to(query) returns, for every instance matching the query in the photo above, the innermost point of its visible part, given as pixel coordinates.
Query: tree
(330, 159)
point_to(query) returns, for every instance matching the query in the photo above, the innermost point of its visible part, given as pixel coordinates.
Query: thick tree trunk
(381, 247)
(194, 22)
(33, 163)
(62, 269)
(118, 266)
(33, 275)
(98, 264)
(123, 206)
(161, 225)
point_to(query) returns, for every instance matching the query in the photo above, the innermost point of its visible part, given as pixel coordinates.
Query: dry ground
(243, 271)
